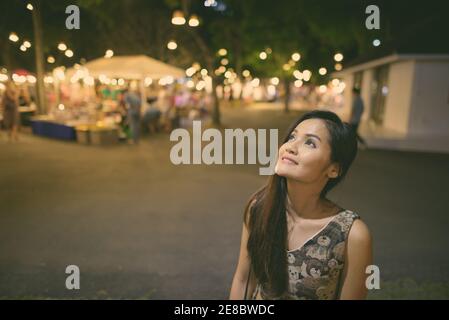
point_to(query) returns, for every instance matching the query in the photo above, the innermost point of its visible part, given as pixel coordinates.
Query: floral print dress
(315, 269)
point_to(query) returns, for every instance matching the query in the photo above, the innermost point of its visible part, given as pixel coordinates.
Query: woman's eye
(290, 137)
(310, 142)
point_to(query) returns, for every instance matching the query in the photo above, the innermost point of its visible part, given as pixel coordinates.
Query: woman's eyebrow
(313, 135)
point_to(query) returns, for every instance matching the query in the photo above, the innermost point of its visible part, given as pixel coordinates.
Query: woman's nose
(291, 149)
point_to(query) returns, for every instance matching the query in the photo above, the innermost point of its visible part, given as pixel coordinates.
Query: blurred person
(133, 105)
(174, 109)
(10, 110)
(122, 110)
(151, 115)
(296, 243)
(24, 96)
(356, 114)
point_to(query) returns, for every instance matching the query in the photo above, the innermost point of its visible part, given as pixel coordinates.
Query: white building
(406, 99)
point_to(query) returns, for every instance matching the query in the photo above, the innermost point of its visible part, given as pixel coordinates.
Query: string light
(68, 53)
(109, 53)
(178, 18)
(194, 21)
(13, 37)
(338, 57)
(172, 45)
(296, 57)
(62, 46)
(322, 71)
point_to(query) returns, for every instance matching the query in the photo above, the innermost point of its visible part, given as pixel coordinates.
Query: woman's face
(305, 157)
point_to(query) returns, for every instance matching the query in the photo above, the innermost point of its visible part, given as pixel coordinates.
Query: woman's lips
(288, 160)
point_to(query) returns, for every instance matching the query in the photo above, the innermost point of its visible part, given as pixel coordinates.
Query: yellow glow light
(109, 53)
(306, 74)
(62, 46)
(297, 74)
(172, 45)
(338, 57)
(296, 57)
(13, 37)
(194, 21)
(148, 81)
(178, 18)
(298, 83)
(68, 53)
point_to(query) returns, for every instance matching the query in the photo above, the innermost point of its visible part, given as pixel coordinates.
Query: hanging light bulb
(178, 18)
(62, 46)
(338, 57)
(13, 37)
(296, 56)
(194, 21)
(109, 53)
(172, 45)
(68, 53)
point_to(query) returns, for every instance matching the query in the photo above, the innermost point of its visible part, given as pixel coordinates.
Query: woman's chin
(283, 172)
(288, 173)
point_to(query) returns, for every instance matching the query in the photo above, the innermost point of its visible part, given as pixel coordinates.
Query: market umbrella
(132, 67)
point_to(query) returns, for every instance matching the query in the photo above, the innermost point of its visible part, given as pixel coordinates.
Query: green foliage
(315, 29)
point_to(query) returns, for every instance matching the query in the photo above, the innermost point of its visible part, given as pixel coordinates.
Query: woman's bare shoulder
(359, 232)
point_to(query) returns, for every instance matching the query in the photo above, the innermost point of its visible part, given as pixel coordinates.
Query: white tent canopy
(132, 67)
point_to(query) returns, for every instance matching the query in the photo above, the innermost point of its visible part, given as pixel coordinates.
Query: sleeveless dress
(315, 268)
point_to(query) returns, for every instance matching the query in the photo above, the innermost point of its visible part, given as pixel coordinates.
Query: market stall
(87, 106)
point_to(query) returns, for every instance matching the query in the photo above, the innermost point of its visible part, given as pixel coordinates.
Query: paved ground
(140, 227)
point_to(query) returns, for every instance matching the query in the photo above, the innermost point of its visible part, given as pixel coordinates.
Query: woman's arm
(242, 272)
(358, 257)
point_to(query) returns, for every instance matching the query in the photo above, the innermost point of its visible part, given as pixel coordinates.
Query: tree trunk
(287, 95)
(6, 55)
(40, 70)
(216, 107)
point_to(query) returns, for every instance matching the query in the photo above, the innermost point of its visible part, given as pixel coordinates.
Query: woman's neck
(304, 201)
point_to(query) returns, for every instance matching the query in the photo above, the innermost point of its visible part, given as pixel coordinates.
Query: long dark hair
(265, 213)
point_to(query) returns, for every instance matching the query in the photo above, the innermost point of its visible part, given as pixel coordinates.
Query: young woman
(10, 107)
(296, 243)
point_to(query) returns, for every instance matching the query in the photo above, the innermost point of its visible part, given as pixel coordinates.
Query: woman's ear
(334, 171)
